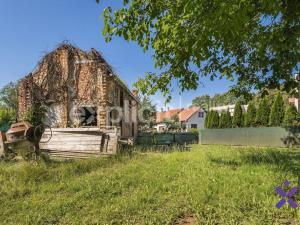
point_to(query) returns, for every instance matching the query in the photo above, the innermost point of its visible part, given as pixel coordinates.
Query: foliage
(225, 120)
(214, 119)
(263, 112)
(228, 120)
(36, 115)
(9, 96)
(237, 120)
(277, 111)
(172, 123)
(7, 117)
(291, 116)
(250, 116)
(255, 43)
(207, 119)
(148, 116)
(228, 98)
(152, 188)
(202, 101)
(194, 130)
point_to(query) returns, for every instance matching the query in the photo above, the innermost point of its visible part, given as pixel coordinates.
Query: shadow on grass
(283, 160)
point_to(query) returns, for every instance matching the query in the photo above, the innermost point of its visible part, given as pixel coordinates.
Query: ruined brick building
(76, 89)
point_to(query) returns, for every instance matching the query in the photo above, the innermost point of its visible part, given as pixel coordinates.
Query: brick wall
(82, 79)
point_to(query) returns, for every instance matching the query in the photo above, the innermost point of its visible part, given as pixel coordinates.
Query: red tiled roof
(185, 114)
(160, 116)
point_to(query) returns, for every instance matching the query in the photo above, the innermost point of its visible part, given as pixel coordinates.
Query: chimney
(135, 93)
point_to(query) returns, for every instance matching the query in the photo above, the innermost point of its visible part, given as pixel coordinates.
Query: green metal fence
(265, 136)
(167, 138)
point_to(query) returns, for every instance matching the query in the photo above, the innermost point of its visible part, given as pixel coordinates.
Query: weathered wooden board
(79, 142)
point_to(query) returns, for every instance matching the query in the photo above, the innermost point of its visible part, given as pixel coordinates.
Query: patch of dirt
(187, 220)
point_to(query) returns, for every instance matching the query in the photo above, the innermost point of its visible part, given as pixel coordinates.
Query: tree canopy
(254, 43)
(227, 98)
(9, 96)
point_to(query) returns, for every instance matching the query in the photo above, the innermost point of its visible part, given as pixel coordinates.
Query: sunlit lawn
(210, 184)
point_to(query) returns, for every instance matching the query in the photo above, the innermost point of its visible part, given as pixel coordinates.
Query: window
(201, 114)
(194, 126)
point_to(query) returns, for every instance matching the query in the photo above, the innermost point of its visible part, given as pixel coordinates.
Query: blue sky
(28, 29)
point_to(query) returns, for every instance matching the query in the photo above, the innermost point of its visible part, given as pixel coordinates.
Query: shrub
(7, 117)
(35, 117)
(263, 112)
(250, 116)
(237, 120)
(277, 111)
(291, 116)
(194, 130)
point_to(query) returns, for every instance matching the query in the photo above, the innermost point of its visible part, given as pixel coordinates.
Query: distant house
(226, 108)
(189, 118)
(162, 116)
(192, 118)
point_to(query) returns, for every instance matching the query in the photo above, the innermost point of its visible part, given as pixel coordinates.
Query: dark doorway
(88, 116)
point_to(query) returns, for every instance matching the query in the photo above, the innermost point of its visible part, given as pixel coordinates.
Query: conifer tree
(214, 120)
(237, 120)
(277, 111)
(291, 116)
(223, 122)
(250, 115)
(207, 120)
(228, 120)
(263, 112)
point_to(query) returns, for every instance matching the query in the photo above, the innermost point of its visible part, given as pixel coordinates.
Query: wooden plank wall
(79, 142)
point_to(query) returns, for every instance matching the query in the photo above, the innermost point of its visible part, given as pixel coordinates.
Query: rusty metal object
(19, 131)
(22, 138)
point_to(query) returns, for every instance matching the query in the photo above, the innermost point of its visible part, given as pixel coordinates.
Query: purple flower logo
(287, 197)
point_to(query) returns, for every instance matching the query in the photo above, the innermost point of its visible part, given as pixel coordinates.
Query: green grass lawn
(208, 185)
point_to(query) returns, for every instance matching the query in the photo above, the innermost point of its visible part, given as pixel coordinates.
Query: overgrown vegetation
(8, 105)
(280, 114)
(215, 184)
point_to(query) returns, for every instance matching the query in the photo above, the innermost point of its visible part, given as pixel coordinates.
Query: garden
(207, 185)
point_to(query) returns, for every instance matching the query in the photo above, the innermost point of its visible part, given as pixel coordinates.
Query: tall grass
(215, 184)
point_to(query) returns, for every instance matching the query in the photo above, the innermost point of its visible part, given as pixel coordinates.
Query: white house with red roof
(190, 118)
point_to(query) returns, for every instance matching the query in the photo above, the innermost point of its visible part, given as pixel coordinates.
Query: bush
(237, 120)
(291, 116)
(250, 116)
(35, 117)
(194, 130)
(263, 112)
(277, 111)
(7, 117)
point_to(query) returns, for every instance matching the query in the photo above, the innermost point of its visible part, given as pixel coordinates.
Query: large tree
(147, 113)
(8, 96)
(254, 42)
